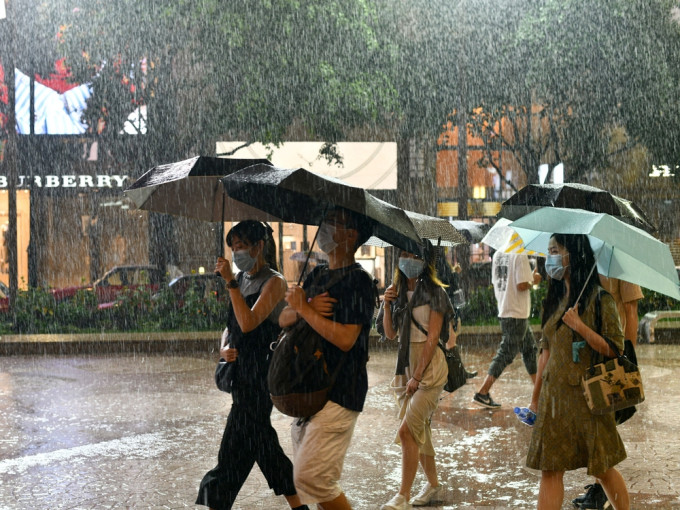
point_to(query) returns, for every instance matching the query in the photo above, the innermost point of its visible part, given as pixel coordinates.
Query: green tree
(591, 68)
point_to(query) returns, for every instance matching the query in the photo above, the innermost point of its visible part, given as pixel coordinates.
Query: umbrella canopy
(192, 188)
(300, 196)
(502, 237)
(474, 231)
(622, 251)
(574, 196)
(431, 228)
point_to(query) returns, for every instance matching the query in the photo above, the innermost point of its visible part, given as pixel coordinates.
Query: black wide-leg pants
(248, 438)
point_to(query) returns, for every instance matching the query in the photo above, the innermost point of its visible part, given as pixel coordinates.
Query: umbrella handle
(309, 254)
(584, 285)
(599, 252)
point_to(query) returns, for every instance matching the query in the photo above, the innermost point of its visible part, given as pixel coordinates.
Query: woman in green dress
(566, 435)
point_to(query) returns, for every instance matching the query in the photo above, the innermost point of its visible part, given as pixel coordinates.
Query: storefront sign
(67, 181)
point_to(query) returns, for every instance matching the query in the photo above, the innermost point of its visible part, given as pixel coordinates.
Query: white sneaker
(398, 502)
(426, 495)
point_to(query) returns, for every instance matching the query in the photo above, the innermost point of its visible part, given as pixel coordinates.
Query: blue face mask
(411, 267)
(554, 267)
(243, 260)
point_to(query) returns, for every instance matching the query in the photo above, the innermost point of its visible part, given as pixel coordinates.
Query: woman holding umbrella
(566, 434)
(256, 296)
(415, 308)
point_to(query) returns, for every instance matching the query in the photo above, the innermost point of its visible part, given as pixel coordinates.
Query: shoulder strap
(419, 326)
(598, 330)
(425, 332)
(598, 311)
(334, 278)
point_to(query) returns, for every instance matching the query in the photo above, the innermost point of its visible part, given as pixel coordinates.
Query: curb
(179, 342)
(110, 343)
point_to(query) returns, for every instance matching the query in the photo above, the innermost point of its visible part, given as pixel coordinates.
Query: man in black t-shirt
(342, 314)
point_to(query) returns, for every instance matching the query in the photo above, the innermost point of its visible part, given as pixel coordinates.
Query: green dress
(566, 434)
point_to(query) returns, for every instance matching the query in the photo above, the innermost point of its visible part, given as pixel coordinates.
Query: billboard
(59, 104)
(368, 165)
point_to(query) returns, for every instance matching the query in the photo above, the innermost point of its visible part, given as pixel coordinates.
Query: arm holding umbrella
(323, 303)
(521, 286)
(390, 297)
(249, 319)
(342, 336)
(572, 319)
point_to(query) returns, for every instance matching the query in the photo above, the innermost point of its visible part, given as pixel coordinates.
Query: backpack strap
(335, 277)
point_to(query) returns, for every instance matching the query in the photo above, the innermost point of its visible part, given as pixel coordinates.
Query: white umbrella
(502, 237)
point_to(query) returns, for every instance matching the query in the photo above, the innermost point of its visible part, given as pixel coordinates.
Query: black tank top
(254, 353)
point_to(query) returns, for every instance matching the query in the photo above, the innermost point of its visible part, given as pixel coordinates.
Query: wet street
(130, 431)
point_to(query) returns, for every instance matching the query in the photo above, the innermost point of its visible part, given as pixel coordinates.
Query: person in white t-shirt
(512, 279)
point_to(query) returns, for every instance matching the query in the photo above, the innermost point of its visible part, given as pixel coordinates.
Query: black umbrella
(574, 196)
(473, 231)
(192, 188)
(300, 196)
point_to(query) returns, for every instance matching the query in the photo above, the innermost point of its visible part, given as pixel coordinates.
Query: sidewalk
(138, 430)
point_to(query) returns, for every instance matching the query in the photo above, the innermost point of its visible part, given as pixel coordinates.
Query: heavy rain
(135, 135)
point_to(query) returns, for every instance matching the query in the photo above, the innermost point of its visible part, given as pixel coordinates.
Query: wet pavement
(139, 431)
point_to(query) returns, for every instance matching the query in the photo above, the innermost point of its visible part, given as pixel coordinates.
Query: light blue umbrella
(622, 251)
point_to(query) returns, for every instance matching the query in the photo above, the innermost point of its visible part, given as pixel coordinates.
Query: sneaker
(470, 375)
(593, 499)
(485, 401)
(398, 502)
(426, 495)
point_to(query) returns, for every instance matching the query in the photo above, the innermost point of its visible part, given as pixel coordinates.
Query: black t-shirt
(355, 293)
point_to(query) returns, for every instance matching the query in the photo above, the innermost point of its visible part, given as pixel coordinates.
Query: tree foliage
(246, 70)
(562, 73)
(598, 66)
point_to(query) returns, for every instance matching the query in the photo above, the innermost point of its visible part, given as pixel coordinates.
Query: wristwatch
(232, 284)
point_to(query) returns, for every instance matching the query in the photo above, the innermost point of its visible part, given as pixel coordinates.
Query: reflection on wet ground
(128, 431)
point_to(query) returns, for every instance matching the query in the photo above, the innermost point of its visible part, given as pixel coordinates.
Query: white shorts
(319, 448)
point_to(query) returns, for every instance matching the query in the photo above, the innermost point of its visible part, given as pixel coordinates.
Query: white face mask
(325, 238)
(554, 267)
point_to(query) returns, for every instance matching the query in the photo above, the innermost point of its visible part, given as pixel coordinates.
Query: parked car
(116, 281)
(203, 285)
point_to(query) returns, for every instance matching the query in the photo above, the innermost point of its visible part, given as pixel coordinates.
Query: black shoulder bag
(457, 373)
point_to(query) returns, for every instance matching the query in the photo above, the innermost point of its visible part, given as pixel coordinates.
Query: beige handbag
(613, 384)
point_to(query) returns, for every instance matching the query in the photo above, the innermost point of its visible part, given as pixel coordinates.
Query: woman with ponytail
(256, 299)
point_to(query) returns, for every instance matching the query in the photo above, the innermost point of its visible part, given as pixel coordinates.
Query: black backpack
(298, 378)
